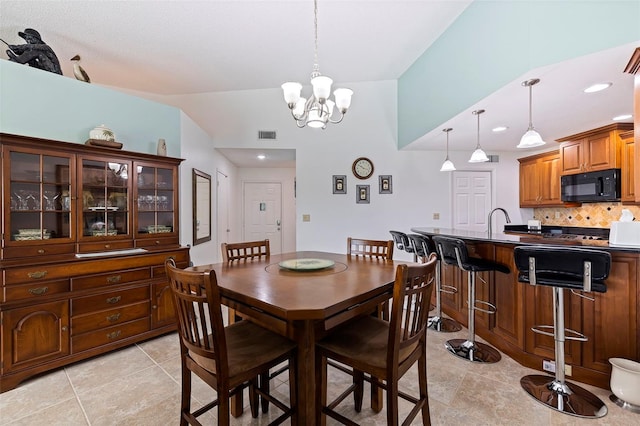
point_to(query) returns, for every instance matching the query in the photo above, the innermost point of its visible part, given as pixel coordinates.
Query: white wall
(198, 152)
(369, 129)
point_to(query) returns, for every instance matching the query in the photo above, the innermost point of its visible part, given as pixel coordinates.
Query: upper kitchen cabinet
(628, 169)
(540, 180)
(597, 149)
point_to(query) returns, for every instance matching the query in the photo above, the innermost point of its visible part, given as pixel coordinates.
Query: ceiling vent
(269, 135)
(494, 158)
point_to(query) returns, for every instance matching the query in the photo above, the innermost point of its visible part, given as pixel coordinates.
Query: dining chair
(383, 350)
(226, 358)
(374, 249)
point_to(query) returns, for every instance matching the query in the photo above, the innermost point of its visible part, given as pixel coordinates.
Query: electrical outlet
(436, 216)
(549, 366)
(306, 218)
(567, 370)
(557, 215)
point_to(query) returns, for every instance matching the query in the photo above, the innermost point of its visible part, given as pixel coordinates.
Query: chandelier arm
(338, 120)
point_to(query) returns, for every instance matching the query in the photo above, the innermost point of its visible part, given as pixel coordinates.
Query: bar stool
(402, 243)
(453, 251)
(576, 269)
(423, 247)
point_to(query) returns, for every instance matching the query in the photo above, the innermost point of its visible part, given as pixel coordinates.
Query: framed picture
(339, 184)
(385, 184)
(362, 194)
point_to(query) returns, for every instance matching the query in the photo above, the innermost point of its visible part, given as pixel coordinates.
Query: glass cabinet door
(104, 198)
(39, 193)
(156, 192)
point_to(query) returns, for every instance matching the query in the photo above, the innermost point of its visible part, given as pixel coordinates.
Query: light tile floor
(140, 385)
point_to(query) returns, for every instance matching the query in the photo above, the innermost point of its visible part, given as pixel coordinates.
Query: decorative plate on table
(306, 264)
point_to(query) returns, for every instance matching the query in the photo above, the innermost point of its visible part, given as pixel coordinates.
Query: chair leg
(358, 392)
(185, 403)
(223, 408)
(293, 388)
(264, 387)
(424, 394)
(253, 397)
(321, 388)
(392, 402)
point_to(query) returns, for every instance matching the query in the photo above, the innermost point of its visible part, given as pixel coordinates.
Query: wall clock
(362, 168)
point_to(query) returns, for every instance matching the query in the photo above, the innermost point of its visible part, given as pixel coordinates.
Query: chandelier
(478, 155)
(316, 111)
(447, 166)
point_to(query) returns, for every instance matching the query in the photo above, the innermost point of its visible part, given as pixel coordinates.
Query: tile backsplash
(596, 215)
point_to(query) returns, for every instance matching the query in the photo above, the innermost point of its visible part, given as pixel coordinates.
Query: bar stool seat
(402, 242)
(423, 247)
(453, 251)
(575, 269)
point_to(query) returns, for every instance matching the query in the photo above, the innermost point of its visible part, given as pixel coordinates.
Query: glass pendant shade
(291, 91)
(343, 98)
(447, 166)
(298, 110)
(531, 139)
(321, 87)
(478, 156)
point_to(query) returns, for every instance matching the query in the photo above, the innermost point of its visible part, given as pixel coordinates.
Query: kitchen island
(611, 321)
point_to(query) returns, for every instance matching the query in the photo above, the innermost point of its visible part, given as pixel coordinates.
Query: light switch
(306, 218)
(436, 216)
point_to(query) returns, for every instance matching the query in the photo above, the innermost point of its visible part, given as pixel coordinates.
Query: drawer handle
(37, 275)
(38, 291)
(114, 317)
(41, 251)
(107, 246)
(114, 279)
(114, 335)
(112, 300)
(157, 242)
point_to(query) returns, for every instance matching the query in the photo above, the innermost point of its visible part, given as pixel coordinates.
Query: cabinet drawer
(33, 274)
(100, 320)
(112, 278)
(35, 290)
(108, 335)
(104, 246)
(114, 299)
(157, 242)
(37, 251)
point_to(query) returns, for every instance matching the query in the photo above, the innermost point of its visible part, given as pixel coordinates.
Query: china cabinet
(85, 233)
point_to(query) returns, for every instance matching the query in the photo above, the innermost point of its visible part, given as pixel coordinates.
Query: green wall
(42, 104)
(494, 42)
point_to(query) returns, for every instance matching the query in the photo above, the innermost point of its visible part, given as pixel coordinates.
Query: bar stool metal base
(626, 405)
(566, 397)
(443, 325)
(473, 351)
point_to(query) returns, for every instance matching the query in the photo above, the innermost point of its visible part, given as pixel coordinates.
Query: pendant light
(478, 155)
(531, 138)
(447, 166)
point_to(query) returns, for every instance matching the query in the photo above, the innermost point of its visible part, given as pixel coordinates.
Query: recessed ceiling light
(597, 87)
(622, 117)
(261, 157)
(499, 129)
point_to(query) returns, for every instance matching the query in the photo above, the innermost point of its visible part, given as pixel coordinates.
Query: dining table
(304, 295)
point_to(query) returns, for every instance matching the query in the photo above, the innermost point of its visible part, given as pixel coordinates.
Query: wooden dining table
(304, 305)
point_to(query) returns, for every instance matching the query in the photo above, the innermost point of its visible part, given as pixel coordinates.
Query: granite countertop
(519, 236)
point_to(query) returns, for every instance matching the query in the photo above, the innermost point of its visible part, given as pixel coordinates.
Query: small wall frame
(385, 184)
(339, 184)
(362, 194)
(201, 207)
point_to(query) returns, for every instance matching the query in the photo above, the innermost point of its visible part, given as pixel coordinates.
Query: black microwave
(591, 187)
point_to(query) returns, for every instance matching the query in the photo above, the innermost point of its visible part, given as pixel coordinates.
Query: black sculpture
(36, 53)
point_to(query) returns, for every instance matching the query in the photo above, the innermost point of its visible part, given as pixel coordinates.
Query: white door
(263, 213)
(471, 200)
(222, 208)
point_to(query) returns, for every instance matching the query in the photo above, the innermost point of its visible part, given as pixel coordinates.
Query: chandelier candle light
(478, 155)
(316, 111)
(447, 166)
(531, 138)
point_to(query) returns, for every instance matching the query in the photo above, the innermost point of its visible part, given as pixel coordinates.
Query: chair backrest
(197, 302)
(410, 308)
(452, 251)
(422, 246)
(402, 241)
(568, 267)
(378, 249)
(247, 250)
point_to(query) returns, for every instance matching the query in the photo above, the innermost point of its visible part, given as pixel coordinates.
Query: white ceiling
(185, 47)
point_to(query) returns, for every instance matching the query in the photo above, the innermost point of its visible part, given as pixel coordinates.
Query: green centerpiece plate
(306, 264)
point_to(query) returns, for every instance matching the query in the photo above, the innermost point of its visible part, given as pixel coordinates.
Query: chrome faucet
(506, 216)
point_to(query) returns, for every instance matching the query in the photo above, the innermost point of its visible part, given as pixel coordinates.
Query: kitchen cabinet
(597, 149)
(540, 180)
(627, 167)
(85, 233)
